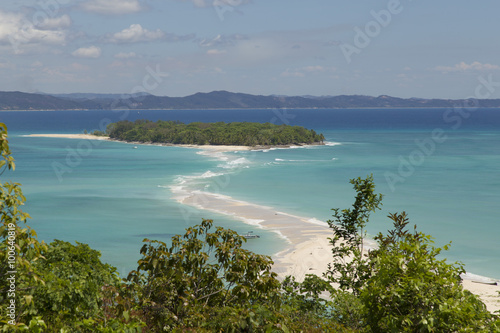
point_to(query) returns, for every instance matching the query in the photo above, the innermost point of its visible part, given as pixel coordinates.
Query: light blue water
(111, 196)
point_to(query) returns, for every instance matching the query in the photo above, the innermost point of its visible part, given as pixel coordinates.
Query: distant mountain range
(215, 100)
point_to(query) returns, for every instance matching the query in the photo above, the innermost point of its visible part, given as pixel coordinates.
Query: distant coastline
(219, 100)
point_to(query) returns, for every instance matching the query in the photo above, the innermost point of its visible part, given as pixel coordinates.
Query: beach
(209, 148)
(69, 136)
(308, 250)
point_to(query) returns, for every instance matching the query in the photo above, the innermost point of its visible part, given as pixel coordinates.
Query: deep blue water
(439, 165)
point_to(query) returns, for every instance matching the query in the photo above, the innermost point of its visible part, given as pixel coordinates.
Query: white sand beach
(70, 136)
(309, 250)
(218, 148)
(211, 148)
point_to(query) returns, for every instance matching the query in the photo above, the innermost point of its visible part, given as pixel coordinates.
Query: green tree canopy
(220, 133)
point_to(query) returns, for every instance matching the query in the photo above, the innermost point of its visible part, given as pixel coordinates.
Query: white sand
(313, 256)
(309, 251)
(70, 136)
(217, 148)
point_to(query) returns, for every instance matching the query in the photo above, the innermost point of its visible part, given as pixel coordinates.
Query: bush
(411, 290)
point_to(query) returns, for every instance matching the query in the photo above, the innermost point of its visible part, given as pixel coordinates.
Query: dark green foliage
(349, 268)
(75, 280)
(19, 247)
(205, 281)
(348, 310)
(239, 134)
(198, 272)
(411, 290)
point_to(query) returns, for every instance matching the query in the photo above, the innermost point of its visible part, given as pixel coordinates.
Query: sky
(401, 48)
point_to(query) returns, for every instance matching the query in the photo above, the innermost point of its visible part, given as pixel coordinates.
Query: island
(249, 134)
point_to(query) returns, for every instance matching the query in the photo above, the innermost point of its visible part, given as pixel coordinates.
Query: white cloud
(56, 23)
(136, 33)
(114, 7)
(222, 40)
(461, 67)
(18, 30)
(123, 55)
(215, 52)
(87, 52)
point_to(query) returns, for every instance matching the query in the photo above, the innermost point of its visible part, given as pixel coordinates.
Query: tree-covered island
(220, 133)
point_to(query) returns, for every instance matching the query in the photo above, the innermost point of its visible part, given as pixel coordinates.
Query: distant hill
(15, 100)
(215, 100)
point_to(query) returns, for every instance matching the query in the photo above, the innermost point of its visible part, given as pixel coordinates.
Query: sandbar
(69, 136)
(309, 249)
(215, 148)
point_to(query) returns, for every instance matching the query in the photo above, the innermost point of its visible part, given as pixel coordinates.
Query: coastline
(216, 148)
(308, 252)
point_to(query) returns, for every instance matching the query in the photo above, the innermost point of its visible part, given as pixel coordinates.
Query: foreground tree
(19, 249)
(412, 290)
(201, 272)
(402, 286)
(205, 281)
(75, 294)
(350, 268)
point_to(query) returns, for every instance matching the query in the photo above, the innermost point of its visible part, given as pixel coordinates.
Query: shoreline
(218, 148)
(308, 252)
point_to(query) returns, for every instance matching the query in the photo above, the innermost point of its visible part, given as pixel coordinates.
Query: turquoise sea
(439, 165)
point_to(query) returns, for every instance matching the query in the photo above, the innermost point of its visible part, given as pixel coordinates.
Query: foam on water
(231, 164)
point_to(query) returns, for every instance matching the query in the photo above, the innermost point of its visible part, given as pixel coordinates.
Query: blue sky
(403, 48)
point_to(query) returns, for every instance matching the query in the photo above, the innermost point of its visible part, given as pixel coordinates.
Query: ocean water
(438, 165)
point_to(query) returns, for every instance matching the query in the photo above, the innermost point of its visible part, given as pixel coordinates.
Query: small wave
(209, 174)
(282, 236)
(318, 222)
(181, 182)
(282, 160)
(332, 143)
(478, 278)
(235, 163)
(253, 222)
(214, 154)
